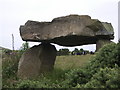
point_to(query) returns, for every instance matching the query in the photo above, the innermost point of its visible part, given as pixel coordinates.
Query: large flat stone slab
(72, 30)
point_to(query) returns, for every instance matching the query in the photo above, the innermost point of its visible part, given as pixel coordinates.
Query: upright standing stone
(37, 60)
(100, 43)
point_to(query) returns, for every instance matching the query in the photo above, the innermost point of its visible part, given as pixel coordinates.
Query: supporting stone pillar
(37, 60)
(100, 43)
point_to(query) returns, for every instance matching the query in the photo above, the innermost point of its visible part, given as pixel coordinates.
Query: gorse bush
(106, 57)
(77, 76)
(27, 84)
(105, 78)
(94, 74)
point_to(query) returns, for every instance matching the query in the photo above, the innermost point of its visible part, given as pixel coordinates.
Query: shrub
(27, 84)
(106, 57)
(105, 78)
(25, 46)
(101, 72)
(9, 68)
(77, 76)
(64, 51)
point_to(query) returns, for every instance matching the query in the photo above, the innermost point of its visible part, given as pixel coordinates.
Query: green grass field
(71, 62)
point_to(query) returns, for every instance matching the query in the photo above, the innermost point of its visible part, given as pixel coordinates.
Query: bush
(101, 72)
(106, 57)
(10, 68)
(77, 76)
(105, 78)
(62, 52)
(27, 84)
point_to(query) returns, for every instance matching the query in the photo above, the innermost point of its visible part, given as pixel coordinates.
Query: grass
(71, 62)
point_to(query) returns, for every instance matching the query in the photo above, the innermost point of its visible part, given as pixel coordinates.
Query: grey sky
(16, 12)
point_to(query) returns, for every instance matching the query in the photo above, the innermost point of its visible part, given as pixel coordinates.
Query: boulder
(72, 30)
(37, 60)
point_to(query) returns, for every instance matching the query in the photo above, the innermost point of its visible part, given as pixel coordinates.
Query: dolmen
(72, 30)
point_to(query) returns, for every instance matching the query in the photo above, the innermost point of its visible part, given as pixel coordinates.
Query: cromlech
(72, 30)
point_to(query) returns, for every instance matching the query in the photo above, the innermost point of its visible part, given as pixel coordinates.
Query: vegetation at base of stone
(10, 61)
(53, 79)
(10, 67)
(102, 71)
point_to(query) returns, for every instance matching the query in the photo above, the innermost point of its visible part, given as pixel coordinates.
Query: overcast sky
(14, 13)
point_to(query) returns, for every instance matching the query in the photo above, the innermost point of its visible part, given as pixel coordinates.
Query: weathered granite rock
(37, 60)
(72, 30)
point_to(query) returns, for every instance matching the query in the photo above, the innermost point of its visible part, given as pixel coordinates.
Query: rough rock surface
(37, 60)
(101, 43)
(72, 30)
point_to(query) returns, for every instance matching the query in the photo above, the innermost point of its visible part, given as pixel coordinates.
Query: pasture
(71, 61)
